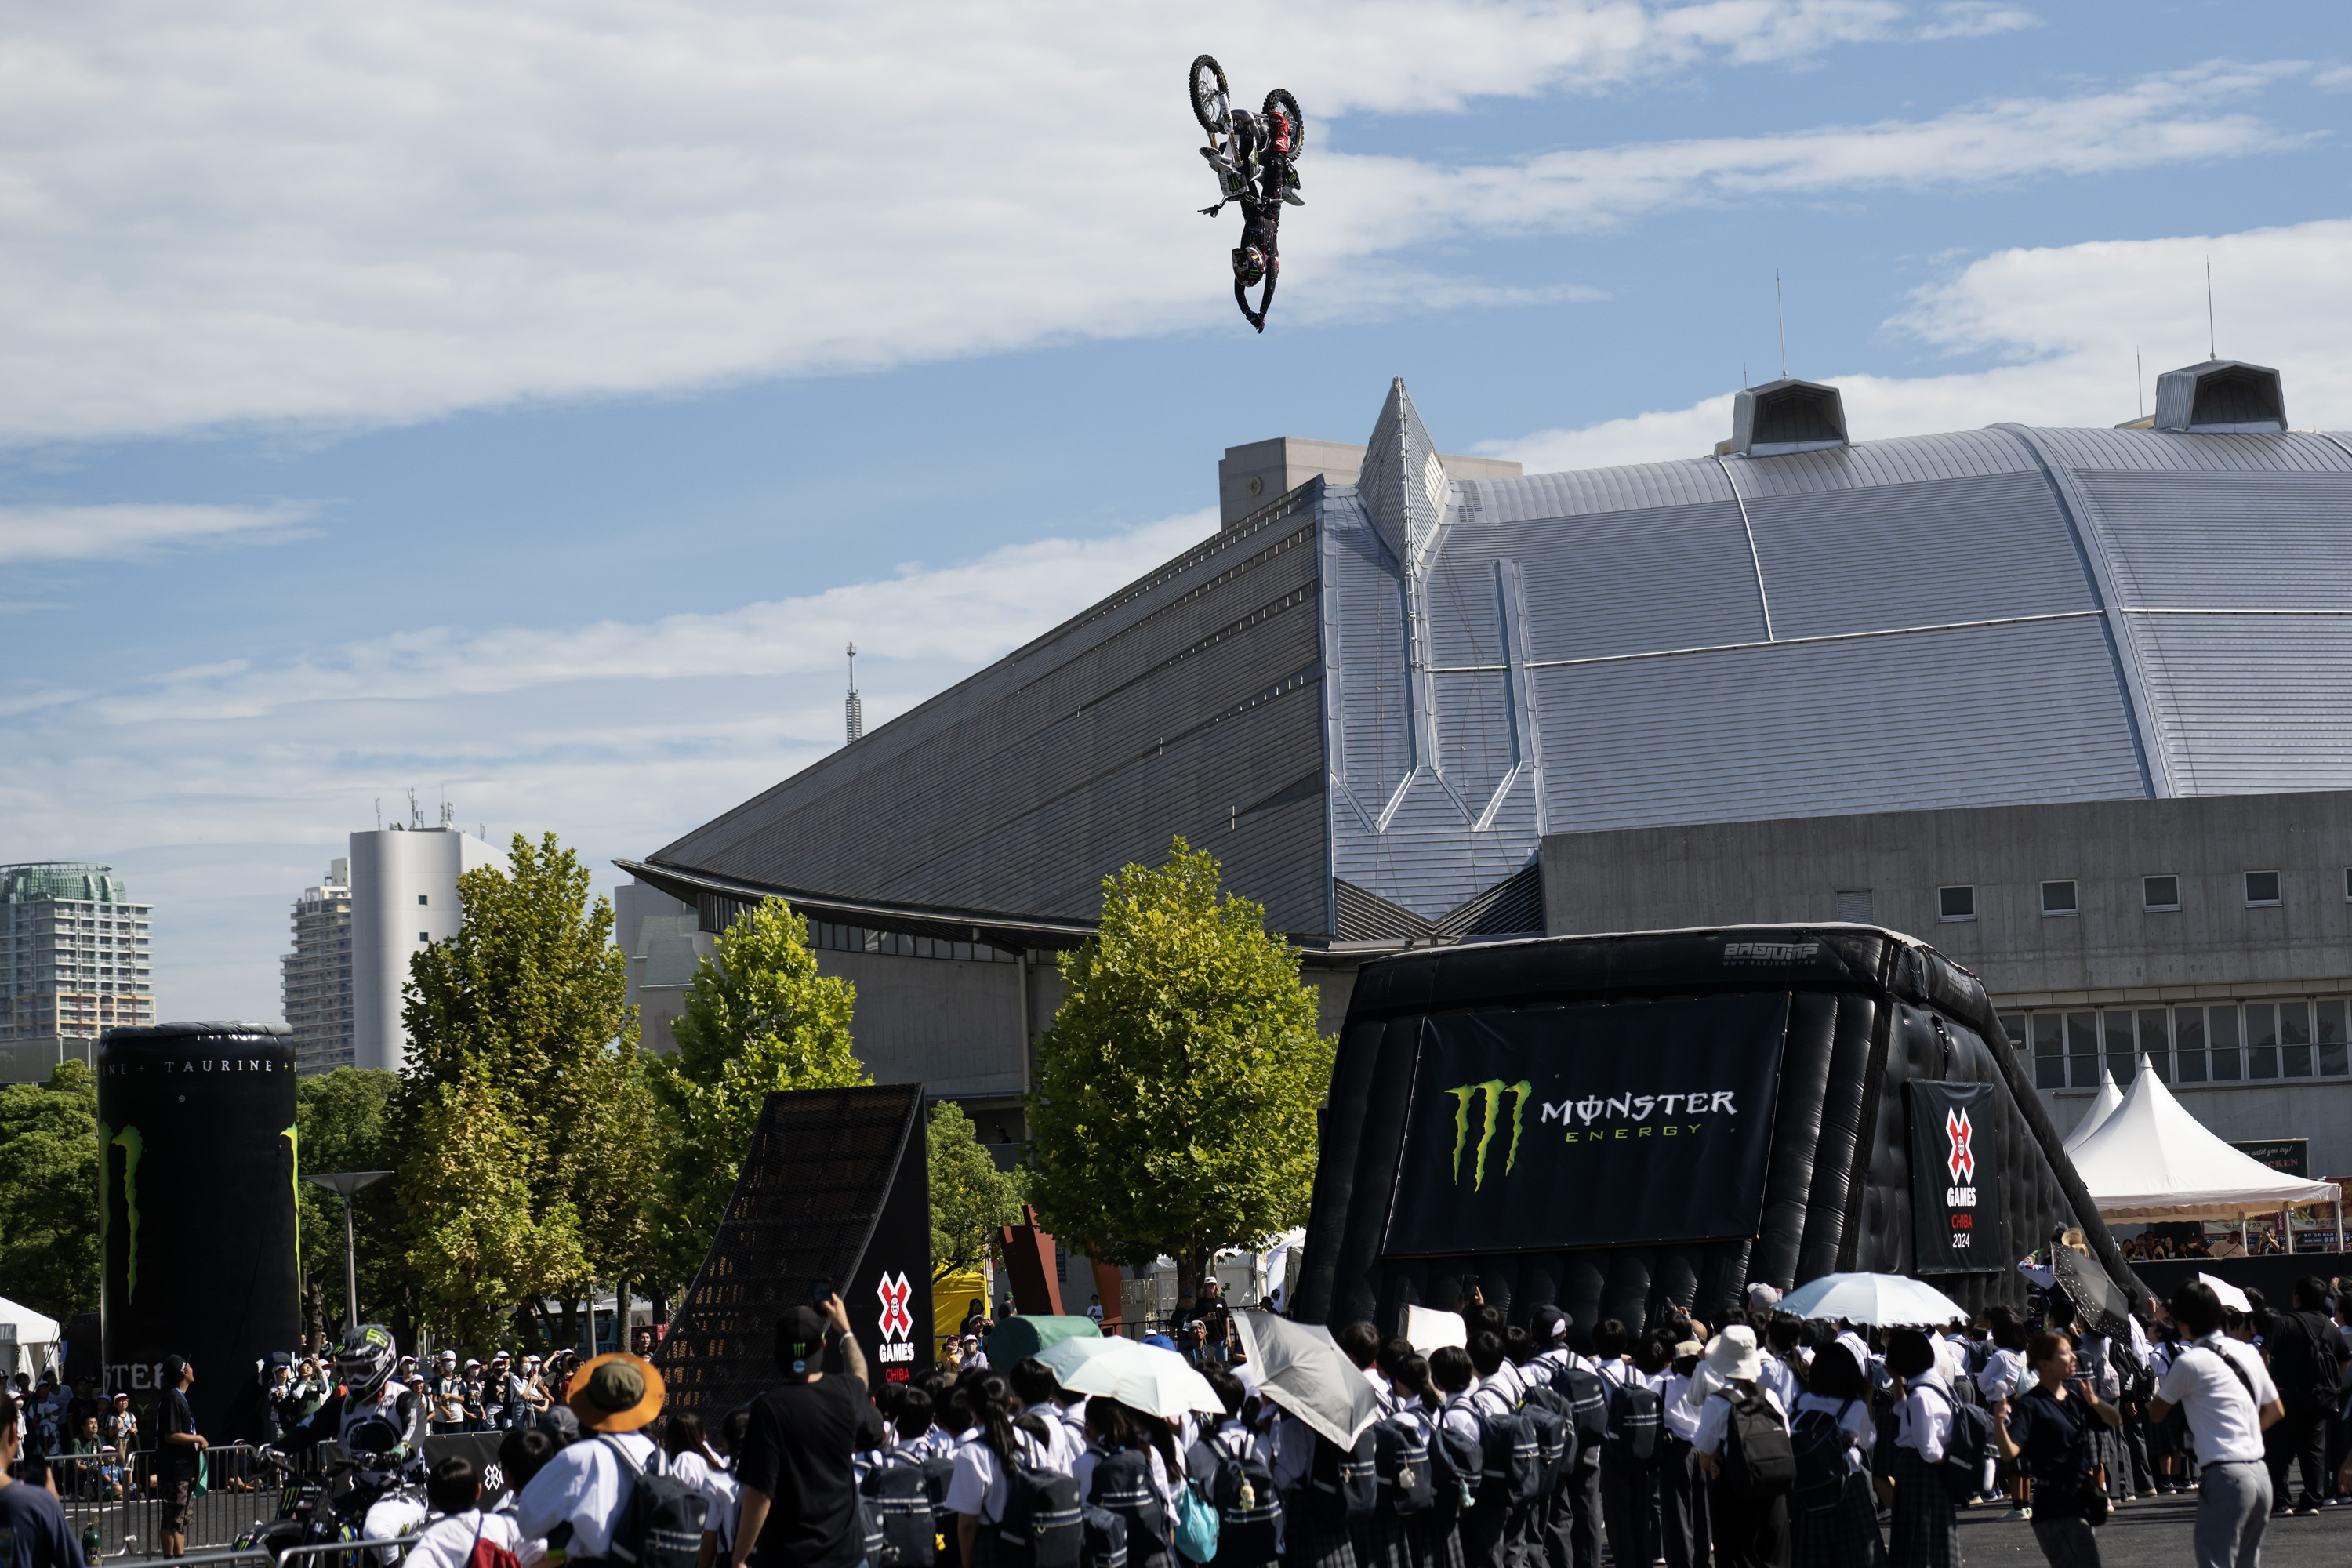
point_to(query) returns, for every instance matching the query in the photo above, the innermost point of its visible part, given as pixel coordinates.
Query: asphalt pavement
(2155, 1532)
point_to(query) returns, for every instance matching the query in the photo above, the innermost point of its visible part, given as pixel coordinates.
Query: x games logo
(1960, 1162)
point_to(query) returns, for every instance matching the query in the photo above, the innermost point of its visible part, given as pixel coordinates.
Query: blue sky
(530, 402)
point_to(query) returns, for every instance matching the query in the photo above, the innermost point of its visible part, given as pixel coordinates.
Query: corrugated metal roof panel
(2299, 452)
(1910, 460)
(1916, 554)
(1600, 583)
(1983, 716)
(2253, 704)
(2226, 539)
(1642, 486)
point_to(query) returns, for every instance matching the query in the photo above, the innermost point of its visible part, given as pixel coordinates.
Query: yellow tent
(952, 1297)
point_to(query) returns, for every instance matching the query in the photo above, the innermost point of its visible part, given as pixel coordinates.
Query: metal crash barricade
(118, 1496)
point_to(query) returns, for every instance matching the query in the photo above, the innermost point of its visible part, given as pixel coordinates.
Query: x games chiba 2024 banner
(1589, 1126)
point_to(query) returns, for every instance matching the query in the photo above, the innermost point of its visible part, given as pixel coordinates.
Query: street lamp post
(347, 1183)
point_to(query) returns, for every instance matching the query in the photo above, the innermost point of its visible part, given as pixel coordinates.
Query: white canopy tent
(2150, 1160)
(2103, 1107)
(35, 1336)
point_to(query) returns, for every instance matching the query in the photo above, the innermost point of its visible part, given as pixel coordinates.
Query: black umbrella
(2099, 1300)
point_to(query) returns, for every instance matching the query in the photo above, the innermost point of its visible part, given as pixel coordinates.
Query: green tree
(487, 1241)
(49, 1192)
(970, 1196)
(526, 1007)
(339, 1116)
(760, 1018)
(1176, 1093)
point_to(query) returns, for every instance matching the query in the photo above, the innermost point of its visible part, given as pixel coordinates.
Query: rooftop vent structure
(2220, 396)
(1787, 416)
(1403, 482)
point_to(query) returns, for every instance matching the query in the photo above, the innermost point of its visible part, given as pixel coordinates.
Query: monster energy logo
(1492, 1090)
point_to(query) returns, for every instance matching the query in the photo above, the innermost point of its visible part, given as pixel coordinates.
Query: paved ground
(2157, 1532)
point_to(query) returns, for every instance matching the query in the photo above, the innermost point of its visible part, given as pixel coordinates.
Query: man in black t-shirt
(799, 1488)
(178, 1451)
(1217, 1324)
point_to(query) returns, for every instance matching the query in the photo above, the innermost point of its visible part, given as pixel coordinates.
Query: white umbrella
(2231, 1295)
(1887, 1300)
(1145, 1377)
(1302, 1369)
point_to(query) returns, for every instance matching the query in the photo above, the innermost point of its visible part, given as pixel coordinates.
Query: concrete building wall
(2085, 990)
(404, 896)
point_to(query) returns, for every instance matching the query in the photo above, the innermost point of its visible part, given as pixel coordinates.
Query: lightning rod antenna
(2139, 387)
(1780, 310)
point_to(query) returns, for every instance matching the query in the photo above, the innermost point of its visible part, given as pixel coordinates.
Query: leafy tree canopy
(760, 1018)
(49, 1192)
(1176, 1093)
(340, 1121)
(970, 1196)
(524, 1012)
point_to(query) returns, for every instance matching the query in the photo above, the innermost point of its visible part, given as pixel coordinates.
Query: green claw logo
(1492, 1090)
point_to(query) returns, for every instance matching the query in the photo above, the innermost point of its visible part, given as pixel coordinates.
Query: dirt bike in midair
(1255, 160)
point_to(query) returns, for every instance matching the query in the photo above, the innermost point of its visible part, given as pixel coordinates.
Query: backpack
(488, 1553)
(1040, 1527)
(1759, 1460)
(1510, 1470)
(1965, 1449)
(1408, 1486)
(1122, 1484)
(1197, 1524)
(1242, 1488)
(1588, 1404)
(1548, 1412)
(1102, 1537)
(900, 1504)
(1342, 1486)
(660, 1521)
(1633, 1435)
(1455, 1463)
(1818, 1439)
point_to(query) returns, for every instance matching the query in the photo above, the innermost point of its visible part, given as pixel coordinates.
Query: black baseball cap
(800, 1340)
(1549, 1325)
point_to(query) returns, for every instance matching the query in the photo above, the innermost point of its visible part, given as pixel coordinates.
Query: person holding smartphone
(797, 1483)
(2047, 1429)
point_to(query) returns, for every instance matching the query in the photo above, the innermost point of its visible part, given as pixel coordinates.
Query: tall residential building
(317, 974)
(404, 896)
(73, 959)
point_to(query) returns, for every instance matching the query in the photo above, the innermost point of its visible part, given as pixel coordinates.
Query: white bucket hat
(1733, 1354)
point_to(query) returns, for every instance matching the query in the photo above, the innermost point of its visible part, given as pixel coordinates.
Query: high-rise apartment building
(404, 896)
(317, 975)
(75, 958)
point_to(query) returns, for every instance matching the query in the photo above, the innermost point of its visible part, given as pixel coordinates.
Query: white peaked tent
(35, 1335)
(2102, 1107)
(2150, 1160)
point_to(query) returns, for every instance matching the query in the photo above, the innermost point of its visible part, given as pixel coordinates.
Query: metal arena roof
(1371, 700)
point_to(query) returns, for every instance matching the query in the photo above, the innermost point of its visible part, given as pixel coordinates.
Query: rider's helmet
(1249, 265)
(1277, 126)
(363, 1362)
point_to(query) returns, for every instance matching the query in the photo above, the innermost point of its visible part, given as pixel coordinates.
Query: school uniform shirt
(1381, 1389)
(1923, 1422)
(1064, 1443)
(722, 1505)
(449, 1540)
(1715, 1419)
(1776, 1376)
(581, 1487)
(978, 1486)
(1508, 1384)
(2003, 1375)
(1675, 1407)
(2094, 1367)
(2224, 1420)
(1625, 1374)
(1860, 1431)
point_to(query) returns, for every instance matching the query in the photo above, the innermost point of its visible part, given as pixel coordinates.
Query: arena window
(2059, 898)
(1956, 903)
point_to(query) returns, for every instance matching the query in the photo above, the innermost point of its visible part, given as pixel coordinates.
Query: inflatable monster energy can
(196, 1213)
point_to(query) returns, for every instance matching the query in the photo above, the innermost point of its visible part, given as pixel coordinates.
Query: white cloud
(1978, 19)
(220, 791)
(257, 210)
(109, 532)
(2068, 322)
